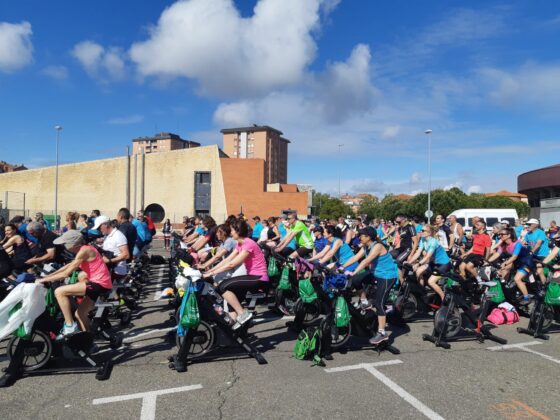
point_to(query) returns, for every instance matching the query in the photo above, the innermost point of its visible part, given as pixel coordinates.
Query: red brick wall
(244, 187)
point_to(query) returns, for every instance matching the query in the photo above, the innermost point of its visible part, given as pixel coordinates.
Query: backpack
(500, 316)
(552, 296)
(308, 346)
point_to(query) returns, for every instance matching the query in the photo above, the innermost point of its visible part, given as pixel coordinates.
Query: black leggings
(360, 282)
(240, 285)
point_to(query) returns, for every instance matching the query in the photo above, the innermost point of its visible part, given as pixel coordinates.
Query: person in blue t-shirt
(431, 257)
(537, 242)
(257, 229)
(320, 241)
(336, 249)
(143, 237)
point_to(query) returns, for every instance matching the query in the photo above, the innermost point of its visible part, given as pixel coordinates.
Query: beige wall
(101, 184)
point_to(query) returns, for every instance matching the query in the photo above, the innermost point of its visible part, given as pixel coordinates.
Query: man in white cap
(116, 243)
(537, 242)
(94, 281)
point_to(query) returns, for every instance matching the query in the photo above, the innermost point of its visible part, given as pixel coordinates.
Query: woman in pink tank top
(93, 281)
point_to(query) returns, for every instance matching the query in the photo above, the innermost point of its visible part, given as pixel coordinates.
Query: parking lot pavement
(471, 380)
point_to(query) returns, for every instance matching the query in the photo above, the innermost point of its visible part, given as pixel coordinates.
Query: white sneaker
(67, 330)
(242, 319)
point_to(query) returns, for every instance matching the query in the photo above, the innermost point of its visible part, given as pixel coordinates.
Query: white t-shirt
(112, 243)
(264, 235)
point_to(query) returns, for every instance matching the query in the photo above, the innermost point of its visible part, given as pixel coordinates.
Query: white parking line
(149, 332)
(159, 276)
(401, 392)
(149, 399)
(523, 346)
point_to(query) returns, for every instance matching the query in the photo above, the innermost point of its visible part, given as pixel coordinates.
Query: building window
(156, 212)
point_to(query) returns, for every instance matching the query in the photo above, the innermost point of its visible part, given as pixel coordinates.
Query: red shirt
(481, 241)
(149, 222)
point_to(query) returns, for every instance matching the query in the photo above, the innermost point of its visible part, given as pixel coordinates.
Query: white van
(490, 216)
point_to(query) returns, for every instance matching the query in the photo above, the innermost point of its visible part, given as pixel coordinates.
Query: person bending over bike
(298, 231)
(434, 259)
(380, 267)
(247, 253)
(335, 249)
(93, 281)
(518, 258)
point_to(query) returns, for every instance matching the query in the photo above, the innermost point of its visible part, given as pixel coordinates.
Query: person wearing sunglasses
(519, 258)
(431, 256)
(298, 231)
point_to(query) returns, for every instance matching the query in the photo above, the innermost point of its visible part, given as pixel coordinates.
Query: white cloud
(342, 92)
(532, 86)
(227, 54)
(456, 184)
(474, 189)
(16, 49)
(390, 131)
(128, 120)
(415, 178)
(56, 72)
(99, 62)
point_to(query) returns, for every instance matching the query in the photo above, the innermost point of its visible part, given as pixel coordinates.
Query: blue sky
(372, 75)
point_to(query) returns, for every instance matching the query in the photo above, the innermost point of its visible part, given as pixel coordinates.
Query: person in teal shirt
(336, 249)
(537, 242)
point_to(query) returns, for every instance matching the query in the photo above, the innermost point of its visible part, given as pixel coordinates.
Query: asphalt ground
(471, 380)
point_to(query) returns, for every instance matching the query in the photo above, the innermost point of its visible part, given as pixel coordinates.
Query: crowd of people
(231, 253)
(367, 251)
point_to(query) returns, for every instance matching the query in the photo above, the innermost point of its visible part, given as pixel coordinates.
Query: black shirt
(129, 231)
(406, 233)
(46, 242)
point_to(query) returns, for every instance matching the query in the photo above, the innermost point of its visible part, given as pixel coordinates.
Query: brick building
(260, 142)
(162, 142)
(8, 167)
(171, 183)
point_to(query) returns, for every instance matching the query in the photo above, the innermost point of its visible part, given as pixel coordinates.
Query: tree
(370, 207)
(333, 208)
(318, 199)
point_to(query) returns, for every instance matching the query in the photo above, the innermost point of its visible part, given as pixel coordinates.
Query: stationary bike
(28, 355)
(215, 330)
(459, 300)
(546, 308)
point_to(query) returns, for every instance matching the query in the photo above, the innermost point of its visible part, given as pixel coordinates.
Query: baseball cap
(284, 216)
(533, 221)
(319, 229)
(368, 231)
(99, 220)
(69, 239)
(504, 222)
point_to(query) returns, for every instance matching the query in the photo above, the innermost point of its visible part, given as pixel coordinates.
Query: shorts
(94, 290)
(442, 269)
(400, 254)
(525, 270)
(474, 259)
(240, 285)
(303, 251)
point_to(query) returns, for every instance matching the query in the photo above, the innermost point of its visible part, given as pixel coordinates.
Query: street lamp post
(58, 128)
(428, 132)
(339, 168)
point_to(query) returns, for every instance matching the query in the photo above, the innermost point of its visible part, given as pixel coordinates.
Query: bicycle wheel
(406, 308)
(547, 317)
(37, 352)
(203, 340)
(454, 322)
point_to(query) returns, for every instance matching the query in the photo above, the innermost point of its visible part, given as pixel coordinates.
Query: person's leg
(63, 294)
(82, 313)
(381, 296)
(462, 268)
(433, 283)
(540, 271)
(519, 276)
(472, 270)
